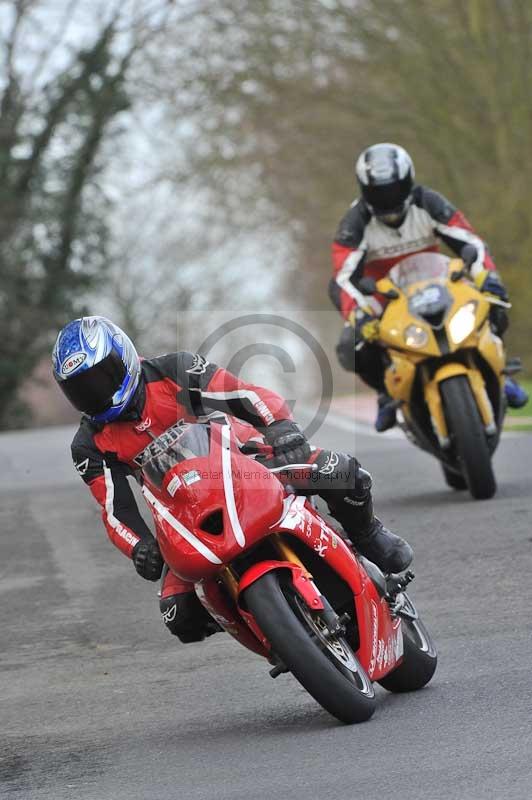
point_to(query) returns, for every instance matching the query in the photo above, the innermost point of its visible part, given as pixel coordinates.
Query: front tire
(419, 657)
(453, 479)
(338, 682)
(468, 437)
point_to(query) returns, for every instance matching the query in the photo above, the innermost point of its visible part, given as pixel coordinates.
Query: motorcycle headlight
(416, 336)
(463, 322)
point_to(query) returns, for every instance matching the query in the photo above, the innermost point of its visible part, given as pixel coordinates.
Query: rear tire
(468, 437)
(419, 658)
(345, 693)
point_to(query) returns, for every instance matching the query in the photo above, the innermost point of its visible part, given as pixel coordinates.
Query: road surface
(99, 702)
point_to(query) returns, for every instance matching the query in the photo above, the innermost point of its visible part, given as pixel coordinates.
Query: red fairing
(381, 644)
(212, 509)
(459, 220)
(246, 496)
(120, 535)
(235, 621)
(174, 585)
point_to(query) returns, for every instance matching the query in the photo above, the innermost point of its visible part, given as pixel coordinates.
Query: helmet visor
(92, 390)
(388, 197)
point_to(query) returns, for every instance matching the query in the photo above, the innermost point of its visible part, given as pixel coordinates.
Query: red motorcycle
(276, 576)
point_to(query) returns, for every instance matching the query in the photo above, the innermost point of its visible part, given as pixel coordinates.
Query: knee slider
(182, 616)
(345, 349)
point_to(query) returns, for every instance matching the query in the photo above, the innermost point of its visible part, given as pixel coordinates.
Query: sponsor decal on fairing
(173, 485)
(190, 477)
(374, 638)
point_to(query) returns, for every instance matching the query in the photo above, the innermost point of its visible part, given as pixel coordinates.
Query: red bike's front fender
(300, 578)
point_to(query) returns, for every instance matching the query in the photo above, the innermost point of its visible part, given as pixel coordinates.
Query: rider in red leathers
(393, 219)
(130, 407)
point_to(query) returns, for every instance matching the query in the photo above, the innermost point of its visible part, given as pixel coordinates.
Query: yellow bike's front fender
(435, 405)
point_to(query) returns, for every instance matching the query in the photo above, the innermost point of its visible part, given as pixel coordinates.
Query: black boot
(354, 511)
(346, 488)
(387, 550)
(386, 414)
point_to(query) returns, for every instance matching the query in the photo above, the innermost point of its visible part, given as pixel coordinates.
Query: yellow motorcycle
(445, 365)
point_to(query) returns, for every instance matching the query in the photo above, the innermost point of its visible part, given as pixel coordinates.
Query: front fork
(435, 404)
(335, 624)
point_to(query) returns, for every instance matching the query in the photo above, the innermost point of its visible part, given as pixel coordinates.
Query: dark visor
(388, 196)
(92, 390)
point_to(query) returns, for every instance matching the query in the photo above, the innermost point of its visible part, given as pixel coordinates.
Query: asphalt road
(98, 702)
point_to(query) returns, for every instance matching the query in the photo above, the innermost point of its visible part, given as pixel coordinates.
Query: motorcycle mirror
(367, 285)
(469, 254)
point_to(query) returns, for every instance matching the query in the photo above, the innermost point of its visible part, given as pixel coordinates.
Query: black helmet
(385, 173)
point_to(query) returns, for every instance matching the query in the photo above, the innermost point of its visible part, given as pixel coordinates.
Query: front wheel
(454, 479)
(419, 654)
(324, 665)
(468, 436)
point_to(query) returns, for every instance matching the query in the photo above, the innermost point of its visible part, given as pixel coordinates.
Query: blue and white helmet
(97, 367)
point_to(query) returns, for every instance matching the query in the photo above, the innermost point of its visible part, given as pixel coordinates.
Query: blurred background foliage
(159, 157)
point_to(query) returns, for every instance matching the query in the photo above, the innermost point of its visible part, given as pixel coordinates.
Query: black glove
(366, 326)
(491, 283)
(147, 559)
(288, 442)
(499, 320)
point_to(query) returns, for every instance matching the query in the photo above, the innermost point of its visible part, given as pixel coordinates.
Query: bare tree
(285, 95)
(59, 111)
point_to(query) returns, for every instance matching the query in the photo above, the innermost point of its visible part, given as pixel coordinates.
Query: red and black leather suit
(365, 246)
(184, 386)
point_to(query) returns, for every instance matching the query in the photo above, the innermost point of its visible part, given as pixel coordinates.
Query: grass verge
(520, 419)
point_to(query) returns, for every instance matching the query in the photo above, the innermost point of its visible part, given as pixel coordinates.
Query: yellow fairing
(400, 376)
(492, 350)
(396, 318)
(406, 359)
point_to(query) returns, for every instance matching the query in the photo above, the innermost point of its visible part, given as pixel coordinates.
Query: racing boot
(386, 414)
(352, 507)
(368, 535)
(388, 551)
(516, 396)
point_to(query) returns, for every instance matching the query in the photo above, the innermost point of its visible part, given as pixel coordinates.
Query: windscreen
(419, 267)
(181, 442)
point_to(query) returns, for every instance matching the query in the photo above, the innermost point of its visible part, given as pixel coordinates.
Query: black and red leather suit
(365, 246)
(184, 386)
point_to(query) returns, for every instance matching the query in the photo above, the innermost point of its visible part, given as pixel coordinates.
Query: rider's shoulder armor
(434, 203)
(351, 228)
(87, 458)
(181, 367)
